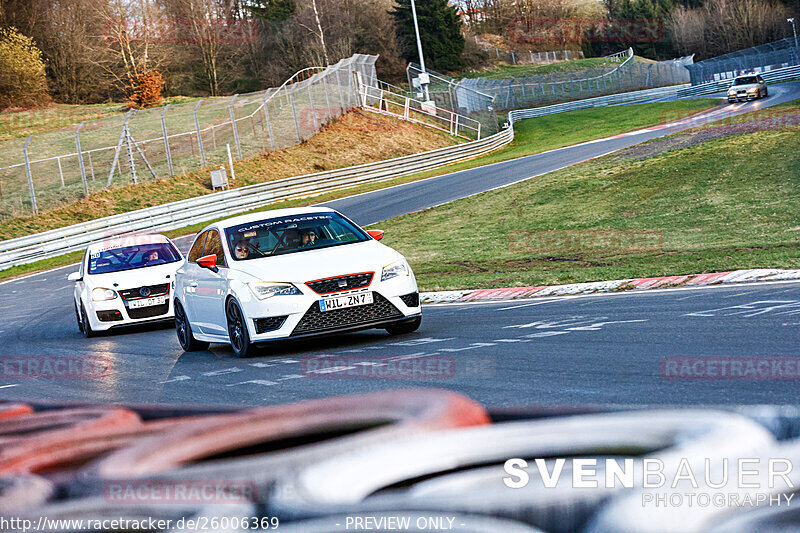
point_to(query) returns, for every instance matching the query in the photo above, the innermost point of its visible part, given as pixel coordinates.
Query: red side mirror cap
(376, 234)
(208, 261)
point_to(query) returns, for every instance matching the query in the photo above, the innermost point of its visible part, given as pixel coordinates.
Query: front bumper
(117, 313)
(284, 317)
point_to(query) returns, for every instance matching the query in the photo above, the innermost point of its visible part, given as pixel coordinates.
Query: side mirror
(209, 262)
(75, 276)
(376, 234)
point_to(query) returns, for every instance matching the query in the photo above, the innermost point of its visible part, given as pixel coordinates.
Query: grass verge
(728, 203)
(531, 136)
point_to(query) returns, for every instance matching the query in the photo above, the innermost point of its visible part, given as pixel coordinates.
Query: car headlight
(392, 270)
(267, 289)
(752, 89)
(732, 92)
(100, 294)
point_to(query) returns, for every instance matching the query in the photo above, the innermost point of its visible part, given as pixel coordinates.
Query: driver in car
(241, 250)
(150, 258)
(308, 239)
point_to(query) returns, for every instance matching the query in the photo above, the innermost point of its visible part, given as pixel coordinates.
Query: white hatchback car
(125, 280)
(290, 273)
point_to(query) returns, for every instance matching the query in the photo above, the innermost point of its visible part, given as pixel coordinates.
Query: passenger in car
(241, 250)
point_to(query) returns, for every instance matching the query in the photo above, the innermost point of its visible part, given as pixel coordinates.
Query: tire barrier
(427, 456)
(412, 522)
(627, 514)
(53, 425)
(362, 480)
(10, 410)
(22, 493)
(303, 429)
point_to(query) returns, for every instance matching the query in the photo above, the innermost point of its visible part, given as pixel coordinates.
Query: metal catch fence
(56, 168)
(756, 60)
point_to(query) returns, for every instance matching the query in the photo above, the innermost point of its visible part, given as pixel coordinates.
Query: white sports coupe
(290, 273)
(123, 281)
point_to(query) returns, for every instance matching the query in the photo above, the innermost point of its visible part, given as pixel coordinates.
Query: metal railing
(53, 169)
(383, 101)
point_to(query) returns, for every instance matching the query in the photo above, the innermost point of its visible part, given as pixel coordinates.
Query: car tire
(237, 330)
(405, 327)
(83, 322)
(766, 93)
(184, 331)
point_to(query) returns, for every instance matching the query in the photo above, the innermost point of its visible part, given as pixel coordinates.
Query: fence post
(269, 125)
(199, 137)
(327, 96)
(60, 170)
(313, 109)
(233, 125)
(531, 54)
(28, 172)
(341, 96)
(513, 58)
(91, 165)
(294, 113)
(80, 160)
(166, 139)
(131, 162)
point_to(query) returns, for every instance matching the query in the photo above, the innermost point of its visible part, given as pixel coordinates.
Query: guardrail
(632, 96)
(24, 250)
(773, 76)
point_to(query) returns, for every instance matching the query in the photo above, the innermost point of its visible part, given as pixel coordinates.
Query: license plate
(350, 300)
(147, 302)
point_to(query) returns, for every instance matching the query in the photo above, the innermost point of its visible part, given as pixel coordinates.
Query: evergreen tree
(439, 29)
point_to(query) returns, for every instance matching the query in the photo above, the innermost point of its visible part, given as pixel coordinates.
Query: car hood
(130, 279)
(747, 86)
(300, 267)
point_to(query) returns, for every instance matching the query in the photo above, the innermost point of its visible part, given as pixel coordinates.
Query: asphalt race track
(603, 349)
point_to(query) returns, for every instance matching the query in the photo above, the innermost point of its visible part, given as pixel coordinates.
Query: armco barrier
(205, 208)
(773, 76)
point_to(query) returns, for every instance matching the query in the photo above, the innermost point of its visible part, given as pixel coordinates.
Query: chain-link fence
(755, 60)
(528, 57)
(629, 75)
(56, 168)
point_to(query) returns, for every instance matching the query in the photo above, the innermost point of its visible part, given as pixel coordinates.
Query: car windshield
(747, 80)
(295, 233)
(131, 257)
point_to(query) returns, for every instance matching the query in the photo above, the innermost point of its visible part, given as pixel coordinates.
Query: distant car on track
(747, 88)
(124, 281)
(290, 273)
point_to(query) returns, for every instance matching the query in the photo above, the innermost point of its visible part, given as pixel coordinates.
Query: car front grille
(315, 320)
(411, 300)
(269, 324)
(149, 290)
(341, 283)
(148, 312)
